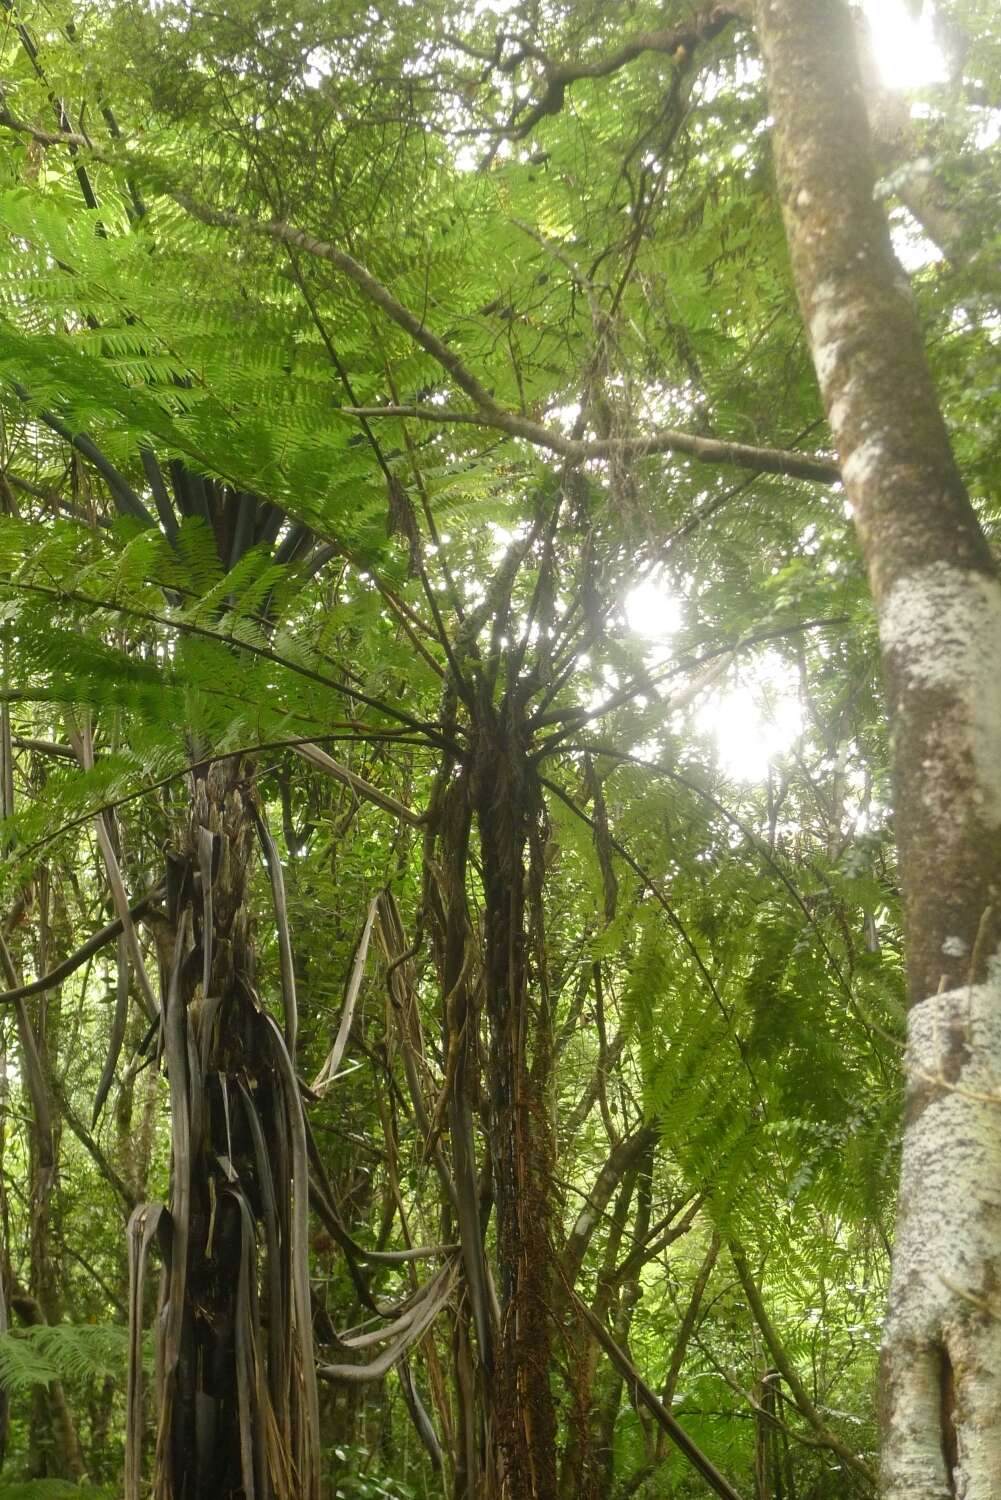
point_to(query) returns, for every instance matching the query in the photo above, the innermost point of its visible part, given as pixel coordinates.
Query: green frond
(61, 1351)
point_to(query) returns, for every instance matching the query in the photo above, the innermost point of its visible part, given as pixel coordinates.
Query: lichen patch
(942, 627)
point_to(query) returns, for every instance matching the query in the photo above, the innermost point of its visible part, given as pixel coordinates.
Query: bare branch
(362, 788)
(578, 450)
(677, 42)
(644, 1396)
(789, 1373)
(86, 950)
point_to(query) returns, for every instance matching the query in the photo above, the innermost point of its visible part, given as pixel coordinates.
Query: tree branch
(677, 42)
(488, 412)
(788, 1371)
(577, 450)
(643, 1396)
(87, 950)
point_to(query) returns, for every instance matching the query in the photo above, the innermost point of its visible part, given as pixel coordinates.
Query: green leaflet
(61, 1351)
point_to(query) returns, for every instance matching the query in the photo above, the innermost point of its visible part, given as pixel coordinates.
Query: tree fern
(61, 1351)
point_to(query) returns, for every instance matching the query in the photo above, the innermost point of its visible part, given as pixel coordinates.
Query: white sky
(756, 720)
(754, 717)
(906, 51)
(651, 610)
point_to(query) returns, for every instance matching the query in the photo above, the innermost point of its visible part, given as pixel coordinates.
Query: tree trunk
(238, 1412)
(53, 1441)
(580, 1463)
(508, 807)
(938, 602)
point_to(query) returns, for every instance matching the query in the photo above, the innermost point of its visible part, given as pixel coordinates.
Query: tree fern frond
(61, 1351)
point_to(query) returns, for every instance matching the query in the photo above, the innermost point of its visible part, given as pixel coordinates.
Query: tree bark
(508, 807)
(938, 602)
(238, 1412)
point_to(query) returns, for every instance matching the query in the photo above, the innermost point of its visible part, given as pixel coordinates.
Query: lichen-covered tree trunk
(938, 601)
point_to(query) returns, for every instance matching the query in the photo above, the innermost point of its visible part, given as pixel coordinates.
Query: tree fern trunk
(508, 812)
(237, 1408)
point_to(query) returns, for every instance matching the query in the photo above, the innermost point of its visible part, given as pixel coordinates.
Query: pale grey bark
(938, 602)
(943, 1336)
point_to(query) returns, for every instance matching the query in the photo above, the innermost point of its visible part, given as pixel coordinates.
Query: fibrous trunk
(237, 1408)
(508, 810)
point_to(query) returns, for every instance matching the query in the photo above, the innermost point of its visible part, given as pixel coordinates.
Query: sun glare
(754, 720)
(754, 723)
(907, 54)
(651, 609)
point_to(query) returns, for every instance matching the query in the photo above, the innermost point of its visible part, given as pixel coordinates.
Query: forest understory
(500, 694)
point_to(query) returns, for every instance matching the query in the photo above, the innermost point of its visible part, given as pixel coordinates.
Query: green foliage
(715, 951)
(61, 1351)
(353, 1479)
(56, 1489)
